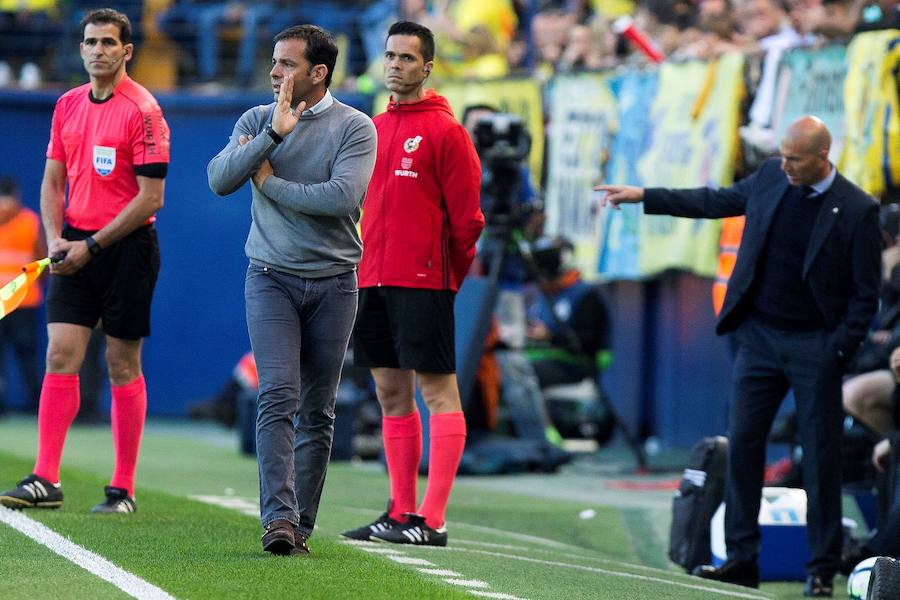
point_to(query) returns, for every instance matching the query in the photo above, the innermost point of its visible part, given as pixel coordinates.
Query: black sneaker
(379, 525)
(414, 531)
(33, 492)
(117, 501)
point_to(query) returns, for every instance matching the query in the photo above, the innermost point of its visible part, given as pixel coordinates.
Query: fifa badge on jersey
(412, 144)
(104, 160)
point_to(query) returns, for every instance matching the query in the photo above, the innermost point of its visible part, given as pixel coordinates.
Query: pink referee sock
(58, 406)
(402, 452)
(447, 441)
(129, 409)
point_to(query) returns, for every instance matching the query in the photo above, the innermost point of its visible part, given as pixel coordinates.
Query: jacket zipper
(384, 197)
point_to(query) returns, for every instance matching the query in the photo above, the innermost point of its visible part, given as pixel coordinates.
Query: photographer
(568, 328)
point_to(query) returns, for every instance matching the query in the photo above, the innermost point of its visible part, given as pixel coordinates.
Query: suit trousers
(769, 361)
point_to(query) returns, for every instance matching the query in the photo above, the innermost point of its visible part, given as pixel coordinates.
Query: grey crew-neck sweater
(305, 215)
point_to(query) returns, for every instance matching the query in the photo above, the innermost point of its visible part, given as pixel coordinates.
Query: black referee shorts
(405, 328)
(115, 286)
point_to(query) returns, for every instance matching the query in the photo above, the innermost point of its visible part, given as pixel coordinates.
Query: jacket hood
(430, 102)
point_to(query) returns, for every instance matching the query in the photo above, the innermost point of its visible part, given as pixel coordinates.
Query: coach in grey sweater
(310, 158)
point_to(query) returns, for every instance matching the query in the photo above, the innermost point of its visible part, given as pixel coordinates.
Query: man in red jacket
(421, 219)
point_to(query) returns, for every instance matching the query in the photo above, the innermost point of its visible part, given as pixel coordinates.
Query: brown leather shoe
(279, 537)
(300, 547)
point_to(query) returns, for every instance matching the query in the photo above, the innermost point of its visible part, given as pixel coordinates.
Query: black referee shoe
(415, 531)
(379, 525)
(117, 501)
(33, 492)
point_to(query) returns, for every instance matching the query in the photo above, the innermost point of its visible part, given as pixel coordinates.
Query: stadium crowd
(219, 43)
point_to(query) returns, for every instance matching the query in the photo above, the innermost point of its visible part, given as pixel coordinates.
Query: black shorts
(116, 286)
(405, 328)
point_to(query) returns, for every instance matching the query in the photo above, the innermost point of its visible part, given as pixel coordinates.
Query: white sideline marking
(93, 563)
(408, 560)
(497, 595)
(440, 572)
(377, 550)
(470, 583)
(586, 557)
(233, 502)
(608, 572)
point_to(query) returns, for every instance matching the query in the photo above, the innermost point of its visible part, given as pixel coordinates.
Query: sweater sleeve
(340, 196)
(235, 164)
(460, 176)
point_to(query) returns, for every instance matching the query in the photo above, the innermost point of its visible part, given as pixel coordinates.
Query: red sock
(129, 408)
(448, 439)
(402, 451)
(57, 409)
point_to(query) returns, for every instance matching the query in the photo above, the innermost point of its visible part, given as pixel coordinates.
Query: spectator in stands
(717, 25)
(68, 65)
(198, 25)
(769, 34)
(21, 242)
(548, 37)
(568, 324)
(26, 28)
(473, 37)
(833, 20)
(590, 46)
(341, 18)
(870, 396)
(672, 25)
(884, 14)
(886, 538)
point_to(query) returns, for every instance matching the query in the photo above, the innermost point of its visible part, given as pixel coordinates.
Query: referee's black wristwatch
(92, 245)
(275, 137)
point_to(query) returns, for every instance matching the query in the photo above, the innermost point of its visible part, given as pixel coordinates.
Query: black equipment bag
(701, 491)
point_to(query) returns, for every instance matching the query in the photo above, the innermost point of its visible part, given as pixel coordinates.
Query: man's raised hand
(284, 119)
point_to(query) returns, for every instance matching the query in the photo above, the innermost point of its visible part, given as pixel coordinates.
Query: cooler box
(782, 522)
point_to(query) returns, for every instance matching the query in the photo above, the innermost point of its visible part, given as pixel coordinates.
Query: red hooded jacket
(421, 216)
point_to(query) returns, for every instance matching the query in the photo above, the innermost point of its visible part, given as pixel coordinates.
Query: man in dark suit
(803, 291)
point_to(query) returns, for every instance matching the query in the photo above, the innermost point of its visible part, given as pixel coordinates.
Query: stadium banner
(520, 97)
(694, 120)
(811, 82)
(635, 92)
(871, 158)
(584, 119)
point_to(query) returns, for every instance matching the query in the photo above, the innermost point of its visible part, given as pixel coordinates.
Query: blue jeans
(299, 328)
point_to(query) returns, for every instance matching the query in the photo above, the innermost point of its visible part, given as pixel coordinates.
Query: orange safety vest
(18, 239)
(729, 242)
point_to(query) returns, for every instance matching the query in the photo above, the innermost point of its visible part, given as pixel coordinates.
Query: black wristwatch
(275, 137)
(92, 246)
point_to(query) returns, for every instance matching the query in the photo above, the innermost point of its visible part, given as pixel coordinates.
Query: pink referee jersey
(104, 146)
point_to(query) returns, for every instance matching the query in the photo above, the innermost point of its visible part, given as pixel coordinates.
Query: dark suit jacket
(843, 260)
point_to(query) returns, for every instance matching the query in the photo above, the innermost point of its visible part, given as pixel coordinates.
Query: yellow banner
(520, 97)
(871, 156)
(584, 114)
(694, 123)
